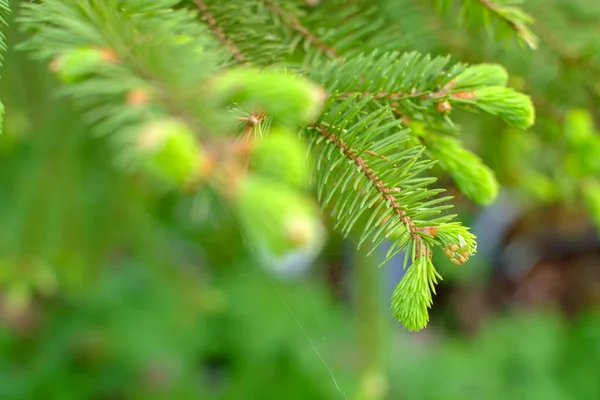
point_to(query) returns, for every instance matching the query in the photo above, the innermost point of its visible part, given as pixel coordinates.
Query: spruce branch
(219, 32)
(294, 23)
(243, 28)
(412, 82)
(152, 60)
(371, 175)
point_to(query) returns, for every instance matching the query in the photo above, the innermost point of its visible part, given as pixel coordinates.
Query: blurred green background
(111, 289)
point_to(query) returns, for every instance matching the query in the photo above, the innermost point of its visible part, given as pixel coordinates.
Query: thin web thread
(287, 305)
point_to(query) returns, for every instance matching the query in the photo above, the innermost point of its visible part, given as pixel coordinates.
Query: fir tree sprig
(412, 81)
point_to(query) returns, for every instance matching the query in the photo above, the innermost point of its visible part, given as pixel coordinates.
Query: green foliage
(281, 156)
(78, 63)
(482, 75)
(289, 99)
(373, 177)
(513, 107)
(294, 33)
(142, 331)
(412, 296)
(475, 179)
(111, 287)
(281, 223)
(169, 151)
(370, 173)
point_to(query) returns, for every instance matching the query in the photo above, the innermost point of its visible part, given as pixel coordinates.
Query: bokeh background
(110, 289)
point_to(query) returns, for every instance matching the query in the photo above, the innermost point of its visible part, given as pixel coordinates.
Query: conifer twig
(252, 122)
(382, 95)
(220, 33)
(295, 24)
(380, 186)
(518, 27)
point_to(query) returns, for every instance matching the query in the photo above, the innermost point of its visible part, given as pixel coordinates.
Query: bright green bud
(475, 179)
(412, 296)
(481, 75)
(458, 243)
(282, 224)
(513, 107)
(287, 98)
(75, 64)
(281, 155)
(170, 152)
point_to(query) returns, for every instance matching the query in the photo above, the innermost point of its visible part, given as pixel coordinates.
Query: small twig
(520, 28)
(252, 122)
(383, 95)
(295, 24)
(369, 173)
(220, 33)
